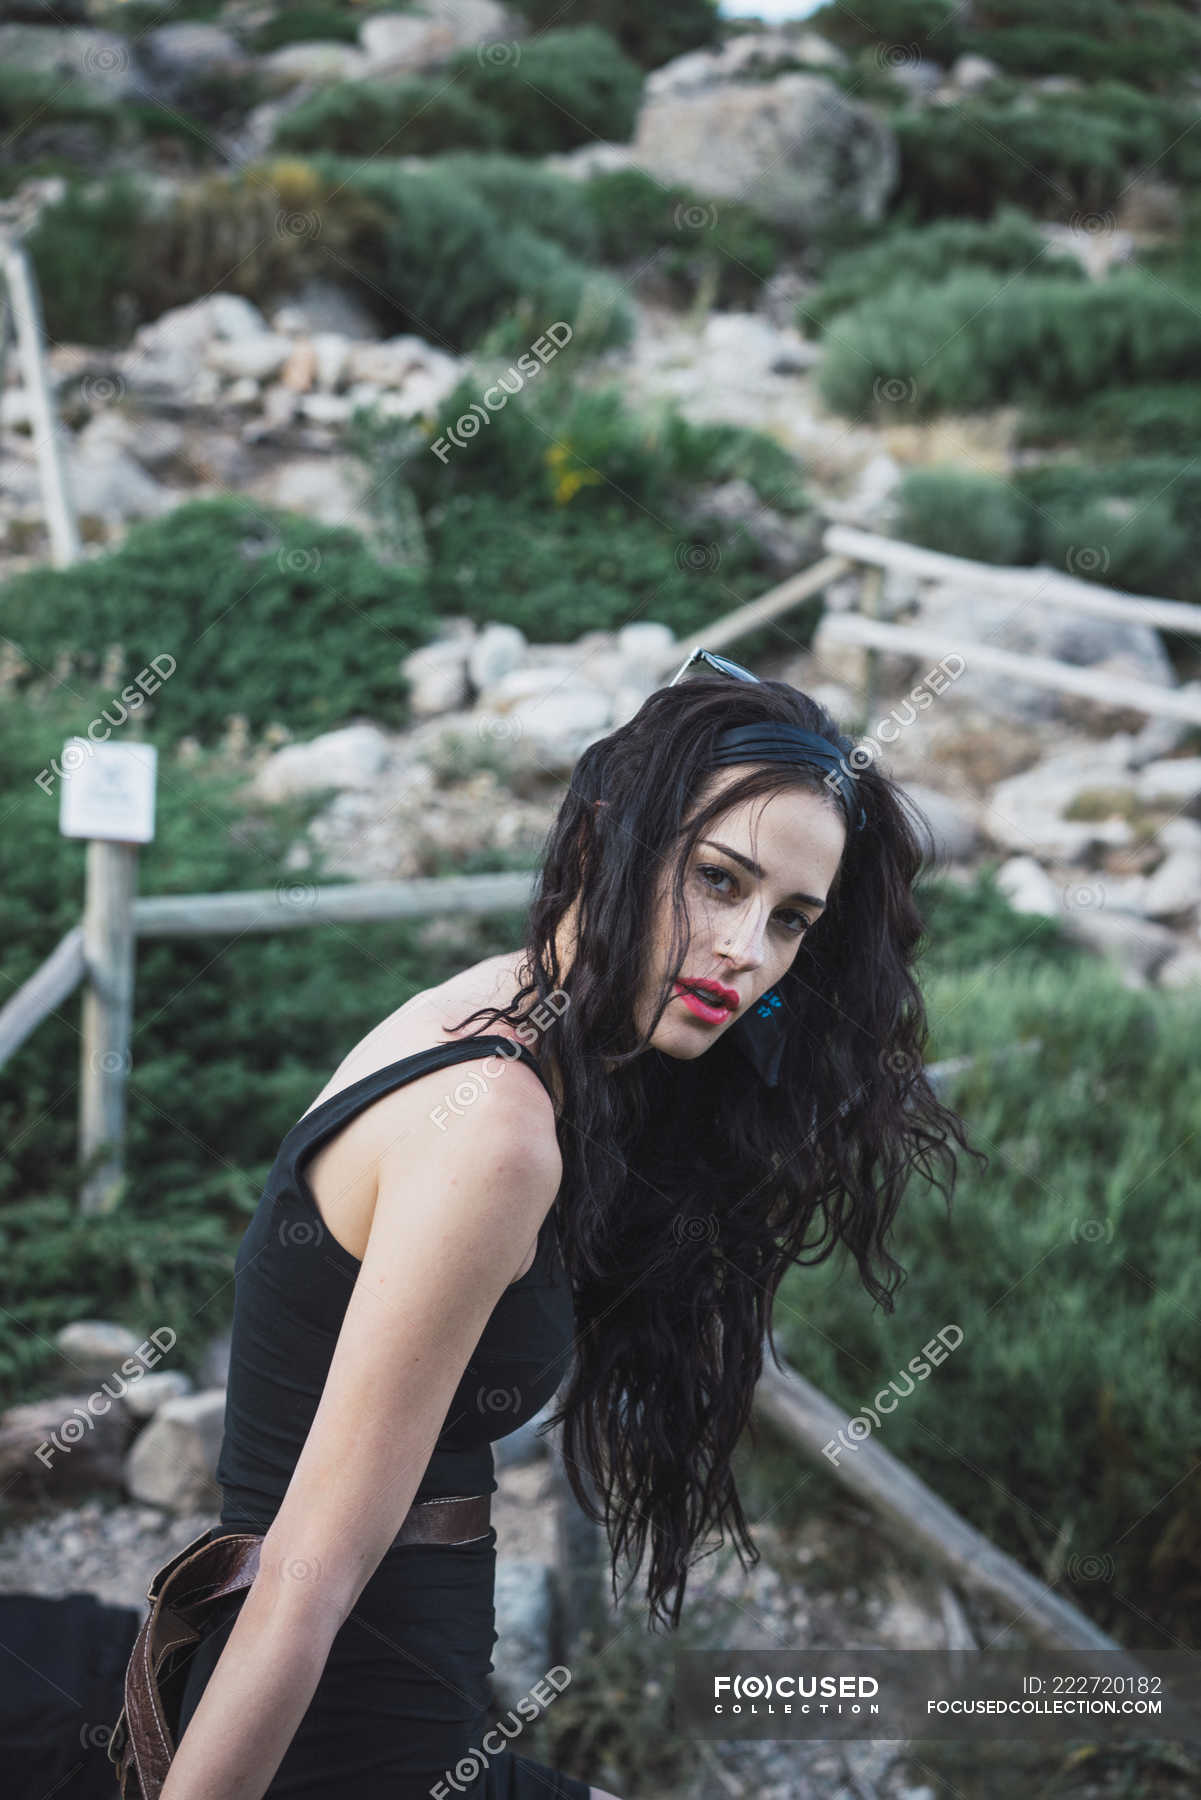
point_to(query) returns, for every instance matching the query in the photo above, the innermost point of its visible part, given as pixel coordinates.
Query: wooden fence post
(108, 944)
(22, 290)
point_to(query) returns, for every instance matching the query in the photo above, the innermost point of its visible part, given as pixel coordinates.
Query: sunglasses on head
(722, 664)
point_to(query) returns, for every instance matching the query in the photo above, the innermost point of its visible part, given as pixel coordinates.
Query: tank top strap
(328, 1116)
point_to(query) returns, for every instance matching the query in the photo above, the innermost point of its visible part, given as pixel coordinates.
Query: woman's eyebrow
(753, 868)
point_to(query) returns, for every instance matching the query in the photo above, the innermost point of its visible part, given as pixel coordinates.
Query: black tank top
(292, 1285)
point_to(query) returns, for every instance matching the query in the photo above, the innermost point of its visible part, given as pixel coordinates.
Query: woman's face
(757, 879)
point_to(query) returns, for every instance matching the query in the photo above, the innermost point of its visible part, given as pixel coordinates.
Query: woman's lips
(713, 1013)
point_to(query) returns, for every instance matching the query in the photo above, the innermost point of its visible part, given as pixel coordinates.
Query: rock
(754, 54)
(497, 649)
(327, 489)
(786, 543)
(144, 1397)
(109, 483)
(97, 64)
(1182, 970)
(399, 41)
(174, 1459)
(407, 365)
(971, 73)
(1175, 887)
(350, 758)
(950, 833)
(1138, 946)
(1096, 251)
(1026, 812)
(64, 1442)
(97, 1347)
(316, 63)
(168, 354)
(647, 646)
(437, 677)
(258, 357)
(1174, 781)
(964, 616)
(300, 367)
(177, 53)
(917, 75)
(323, 305)
(796, 147)
(524, 1610)
(1028, 887)
(331, 352)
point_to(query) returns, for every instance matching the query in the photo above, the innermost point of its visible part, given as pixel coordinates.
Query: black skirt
(402, 1703)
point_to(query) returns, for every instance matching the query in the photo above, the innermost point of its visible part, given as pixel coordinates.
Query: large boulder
(396, 42)
(796, 149)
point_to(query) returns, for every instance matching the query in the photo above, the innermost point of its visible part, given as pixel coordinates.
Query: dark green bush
(1080, 1217)
(112, 255)
(564, 87)
(1010, 243)
(650, 35)
(1059, 155)
(265, 613)
(411, 117)
(558, 90)
(447, 267)
(1089, 39)
(966, 515)
(566, 511)
(1133, 525)
(559, 442)
(309, 22)
(1120, 422)
(232, 1038)
(977, 341)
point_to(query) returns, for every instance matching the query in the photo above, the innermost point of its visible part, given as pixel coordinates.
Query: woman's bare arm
(455, 1213)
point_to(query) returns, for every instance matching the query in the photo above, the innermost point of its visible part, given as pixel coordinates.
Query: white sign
(109, 792)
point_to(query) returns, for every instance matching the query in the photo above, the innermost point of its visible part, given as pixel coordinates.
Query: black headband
(784, 743)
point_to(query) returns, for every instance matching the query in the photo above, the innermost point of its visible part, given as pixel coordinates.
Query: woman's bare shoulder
(437, 1015)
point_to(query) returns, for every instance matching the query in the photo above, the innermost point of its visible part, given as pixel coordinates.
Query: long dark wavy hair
(690, 1187)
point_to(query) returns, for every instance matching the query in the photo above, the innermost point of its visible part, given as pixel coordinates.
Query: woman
(710, 1041)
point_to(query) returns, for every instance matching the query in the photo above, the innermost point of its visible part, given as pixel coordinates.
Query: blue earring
(760, 1035)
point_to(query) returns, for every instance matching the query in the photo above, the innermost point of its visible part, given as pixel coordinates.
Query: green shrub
(448, 268)
(965, 515)
(232, 1038)
(1081, 1216)
(412, 117)
(1058, 155)
(558, 90)
(625, 218)
(1120, 422)
(551, 92)
(1010, 243)
(265, 613)
(650, 35)
(1134, 525)
(309, 22)
(559, 442)
(422, 250)
(111, 254)
(976, 341)
(559, 571)
(566, 512)
(1089, 39)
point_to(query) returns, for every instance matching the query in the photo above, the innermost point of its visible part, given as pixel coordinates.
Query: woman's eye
(707, 869)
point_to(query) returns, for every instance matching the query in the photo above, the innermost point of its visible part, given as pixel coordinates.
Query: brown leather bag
(182, 1596)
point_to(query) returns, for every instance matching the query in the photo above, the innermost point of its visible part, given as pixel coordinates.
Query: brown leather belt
(144, 1739)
